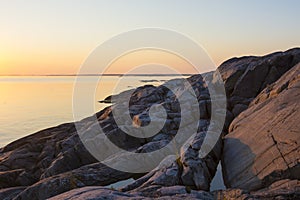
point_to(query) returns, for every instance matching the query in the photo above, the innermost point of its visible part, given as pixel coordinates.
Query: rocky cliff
(258, 147)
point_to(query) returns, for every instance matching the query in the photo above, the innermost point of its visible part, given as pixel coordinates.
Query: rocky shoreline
(258, 148)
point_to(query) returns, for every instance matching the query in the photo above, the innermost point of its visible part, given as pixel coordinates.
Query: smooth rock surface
(263, 142)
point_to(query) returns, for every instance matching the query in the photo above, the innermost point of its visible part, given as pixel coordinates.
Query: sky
(57, 36)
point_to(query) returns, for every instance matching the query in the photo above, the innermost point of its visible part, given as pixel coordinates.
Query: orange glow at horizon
(50, 63)
(38, 63)
(154, 59)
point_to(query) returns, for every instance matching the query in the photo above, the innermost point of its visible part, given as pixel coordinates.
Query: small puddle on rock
(120, 184)
(218, 183)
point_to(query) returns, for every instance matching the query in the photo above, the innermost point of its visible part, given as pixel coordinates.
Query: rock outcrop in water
(259, 145)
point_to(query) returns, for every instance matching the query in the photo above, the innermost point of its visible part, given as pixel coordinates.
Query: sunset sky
(55, 37)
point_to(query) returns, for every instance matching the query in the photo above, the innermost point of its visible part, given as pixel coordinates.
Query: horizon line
(156, 74)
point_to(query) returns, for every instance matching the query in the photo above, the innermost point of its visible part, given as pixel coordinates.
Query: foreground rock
(55, 161)
(89, 175)
(97, 193)
(284, 189)
(263, 142)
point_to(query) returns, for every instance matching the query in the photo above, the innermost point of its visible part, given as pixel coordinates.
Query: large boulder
(246, 77)
(263, 142)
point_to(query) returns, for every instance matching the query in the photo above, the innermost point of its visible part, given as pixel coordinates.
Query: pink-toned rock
(263, 142)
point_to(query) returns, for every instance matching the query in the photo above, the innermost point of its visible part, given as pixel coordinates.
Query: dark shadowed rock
(238, 108)
(246, 77)
(10, 178)
(89, 175)
(10, 193)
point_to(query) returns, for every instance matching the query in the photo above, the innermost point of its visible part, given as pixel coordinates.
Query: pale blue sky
(56, 36)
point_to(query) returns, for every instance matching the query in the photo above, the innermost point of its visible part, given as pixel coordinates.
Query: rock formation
(259, 144)
(263, 142)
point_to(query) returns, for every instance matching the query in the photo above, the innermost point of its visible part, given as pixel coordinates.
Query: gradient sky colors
(55, 36)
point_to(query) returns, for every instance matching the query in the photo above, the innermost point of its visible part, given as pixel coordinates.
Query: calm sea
(31, 103)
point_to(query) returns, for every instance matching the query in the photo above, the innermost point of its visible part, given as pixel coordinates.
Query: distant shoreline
(98, 75)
